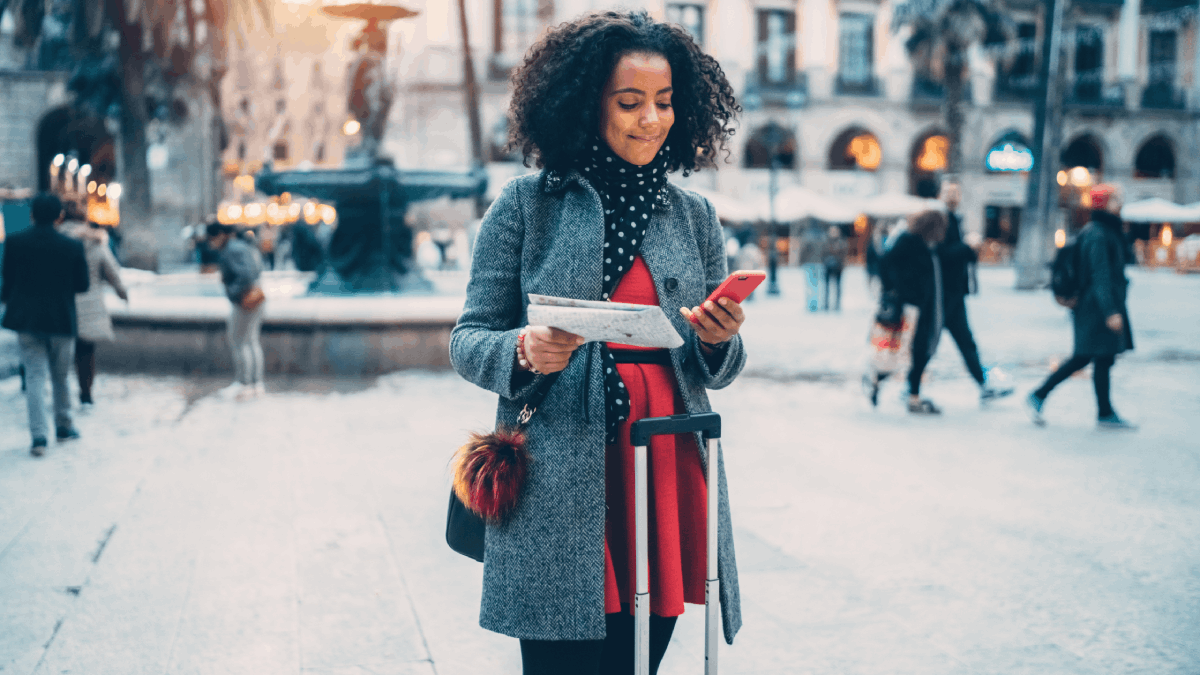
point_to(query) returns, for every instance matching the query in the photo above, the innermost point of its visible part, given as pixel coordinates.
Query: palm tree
(943, 32)
(159, 44)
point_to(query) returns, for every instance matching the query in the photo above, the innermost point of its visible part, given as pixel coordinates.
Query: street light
(774, 137)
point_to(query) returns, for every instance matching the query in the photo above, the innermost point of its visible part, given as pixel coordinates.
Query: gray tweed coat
(543, 576)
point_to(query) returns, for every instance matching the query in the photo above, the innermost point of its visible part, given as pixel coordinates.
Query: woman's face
(635, 109)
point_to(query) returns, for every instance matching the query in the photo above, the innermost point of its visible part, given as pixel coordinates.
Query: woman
(910, 268)
(608, 105)
(95, 325)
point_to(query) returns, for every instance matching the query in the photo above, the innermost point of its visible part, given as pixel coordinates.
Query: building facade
(859, 118)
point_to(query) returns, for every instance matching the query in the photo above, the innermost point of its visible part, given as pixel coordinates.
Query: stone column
(1128, 52)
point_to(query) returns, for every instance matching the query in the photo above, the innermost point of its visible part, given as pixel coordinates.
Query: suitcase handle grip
(709, 424)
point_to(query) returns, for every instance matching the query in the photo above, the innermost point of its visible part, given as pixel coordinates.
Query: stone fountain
(371, 250)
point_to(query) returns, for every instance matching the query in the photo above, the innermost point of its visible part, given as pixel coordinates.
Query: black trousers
(85, 368)
(833, 276)
(954, 319)
(1100, 379)
(611, 656)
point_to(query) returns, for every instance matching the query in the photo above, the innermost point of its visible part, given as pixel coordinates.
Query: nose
(651, 115)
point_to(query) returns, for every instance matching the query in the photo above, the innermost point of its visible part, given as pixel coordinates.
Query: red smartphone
(738, 286)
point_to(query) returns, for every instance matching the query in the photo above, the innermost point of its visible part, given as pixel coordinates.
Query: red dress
(677, 490)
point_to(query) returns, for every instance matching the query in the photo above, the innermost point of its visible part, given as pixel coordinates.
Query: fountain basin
(176, 324)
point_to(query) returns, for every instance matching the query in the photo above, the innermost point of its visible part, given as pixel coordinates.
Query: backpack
(1065, 278)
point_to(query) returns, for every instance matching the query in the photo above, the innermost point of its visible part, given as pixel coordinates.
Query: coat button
(672, 284)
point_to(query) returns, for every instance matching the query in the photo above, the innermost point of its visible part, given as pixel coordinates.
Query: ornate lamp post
(774, 137)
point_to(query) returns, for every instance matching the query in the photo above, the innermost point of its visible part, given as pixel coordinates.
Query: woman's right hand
(549, 350)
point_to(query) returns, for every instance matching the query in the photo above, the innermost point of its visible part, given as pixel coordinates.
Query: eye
(628, 106)
(665, 106)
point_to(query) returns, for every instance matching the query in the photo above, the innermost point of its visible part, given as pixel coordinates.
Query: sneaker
(231, 392)
(66, 433)
(260, 389)
(989, 394)
(923, 407)
(1034, 405)
(1115, 421)
(247, 393)
(39, 447)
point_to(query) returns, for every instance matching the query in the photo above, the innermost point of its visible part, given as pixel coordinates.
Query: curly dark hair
(555, 105)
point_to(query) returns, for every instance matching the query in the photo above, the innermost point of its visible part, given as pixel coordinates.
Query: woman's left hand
(715, 323)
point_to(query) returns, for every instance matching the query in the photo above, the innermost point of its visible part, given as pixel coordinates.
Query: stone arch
(66, 131)
(1155, 158)
(1086, 150)
(1015, 152)
(758, 150)
(927, 160)
(855, 148)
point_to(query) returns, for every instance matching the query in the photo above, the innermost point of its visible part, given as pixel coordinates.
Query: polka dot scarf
(628, 193)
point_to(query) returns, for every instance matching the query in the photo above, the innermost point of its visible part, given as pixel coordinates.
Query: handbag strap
(535, 399)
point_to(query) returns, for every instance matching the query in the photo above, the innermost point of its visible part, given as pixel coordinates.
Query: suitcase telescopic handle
(709, 424)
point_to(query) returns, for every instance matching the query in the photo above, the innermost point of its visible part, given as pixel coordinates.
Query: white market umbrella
(728, 208)
(897, 204)
(797, 202)
(1158, 210)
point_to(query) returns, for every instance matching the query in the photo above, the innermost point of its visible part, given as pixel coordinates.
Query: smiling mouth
(644, 139)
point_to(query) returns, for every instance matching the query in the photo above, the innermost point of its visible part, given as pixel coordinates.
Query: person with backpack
(1089, 277)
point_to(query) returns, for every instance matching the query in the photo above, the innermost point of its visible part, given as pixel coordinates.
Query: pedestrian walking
(1099, 313)
(956, 258)
(600, 221)
(834, 259)
(912, 270)
(94, 322)
(43, 270)
(241, 268)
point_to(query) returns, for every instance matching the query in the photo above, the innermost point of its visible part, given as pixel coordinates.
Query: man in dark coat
(43, 270)
(956, 258)
(1100, 317)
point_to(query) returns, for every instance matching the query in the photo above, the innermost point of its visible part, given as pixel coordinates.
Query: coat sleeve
(111, 272)
(1100, 265)
(899, 271)
(719, 370)
(484, 341)
(6, 273)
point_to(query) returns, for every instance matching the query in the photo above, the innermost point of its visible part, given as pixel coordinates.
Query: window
(281, 106)
(1160, 86)
(1089, 62)
(280, 151)
(691, 17)
(319, 153)
(856, 53)
(776, 46)
(241, 151)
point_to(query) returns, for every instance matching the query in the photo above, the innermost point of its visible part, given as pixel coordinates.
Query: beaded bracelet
(521, 357)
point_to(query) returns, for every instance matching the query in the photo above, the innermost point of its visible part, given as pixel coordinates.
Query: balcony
(1089, 93)
(930, 92)
(857, 87)
(761, 93)
(1163, 96)
(1017, 88)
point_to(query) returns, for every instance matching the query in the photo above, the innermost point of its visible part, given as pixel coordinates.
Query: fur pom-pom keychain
(489, 471)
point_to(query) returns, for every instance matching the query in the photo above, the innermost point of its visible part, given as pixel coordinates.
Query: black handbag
(465, 528)
(891, 310)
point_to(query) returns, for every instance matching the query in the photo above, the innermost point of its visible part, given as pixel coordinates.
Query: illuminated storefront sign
(1009, 156)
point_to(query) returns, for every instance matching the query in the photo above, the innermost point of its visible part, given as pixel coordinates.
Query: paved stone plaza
(303, 532)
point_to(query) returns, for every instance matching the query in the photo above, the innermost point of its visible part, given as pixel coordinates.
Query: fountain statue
(371, 250)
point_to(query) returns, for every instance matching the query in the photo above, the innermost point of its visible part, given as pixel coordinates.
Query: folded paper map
(638, 325)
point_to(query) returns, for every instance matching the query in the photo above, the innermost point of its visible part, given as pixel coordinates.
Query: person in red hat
(1100, 317)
